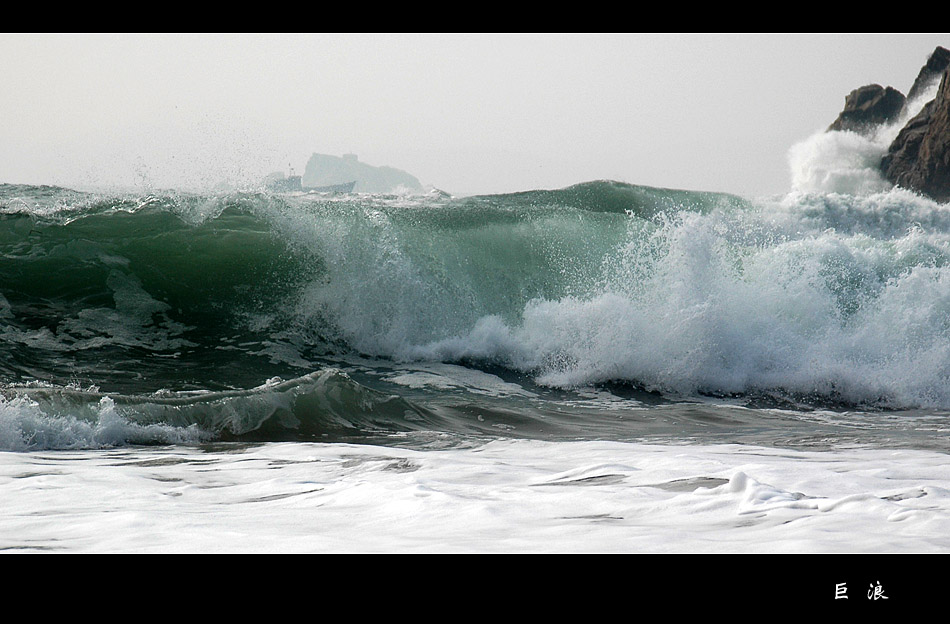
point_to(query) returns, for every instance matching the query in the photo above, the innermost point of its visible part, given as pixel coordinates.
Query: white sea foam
(26, 426)
(505, 496)
(742, 303)
(849, 162)
(838, 162)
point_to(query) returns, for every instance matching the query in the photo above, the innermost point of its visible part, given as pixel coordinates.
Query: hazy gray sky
(468, 113)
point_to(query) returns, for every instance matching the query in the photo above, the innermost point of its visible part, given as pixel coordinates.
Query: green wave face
(823, 298)
(130, 297)
(141, 297)
(188, 291)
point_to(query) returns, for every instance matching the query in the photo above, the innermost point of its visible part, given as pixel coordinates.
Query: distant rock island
(919, 157)
(345, 174)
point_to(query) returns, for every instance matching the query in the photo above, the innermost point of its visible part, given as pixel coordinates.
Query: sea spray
(849, 162)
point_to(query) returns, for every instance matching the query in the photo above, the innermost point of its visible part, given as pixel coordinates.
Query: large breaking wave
(819, 297)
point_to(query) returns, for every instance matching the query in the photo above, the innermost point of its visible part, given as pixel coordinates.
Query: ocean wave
(821, 296)
(326, 404)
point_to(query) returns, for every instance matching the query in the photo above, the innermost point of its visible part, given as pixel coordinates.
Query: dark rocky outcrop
(919, 157)
(867, 107)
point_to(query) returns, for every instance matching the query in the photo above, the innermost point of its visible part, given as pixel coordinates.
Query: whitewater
(605, 367)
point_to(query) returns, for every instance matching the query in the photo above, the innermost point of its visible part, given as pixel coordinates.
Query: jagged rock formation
(919, 157)
(930, 73)
(867, 107)
(323, 170)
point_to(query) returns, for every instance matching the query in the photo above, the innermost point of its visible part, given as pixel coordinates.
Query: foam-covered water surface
(503, 496)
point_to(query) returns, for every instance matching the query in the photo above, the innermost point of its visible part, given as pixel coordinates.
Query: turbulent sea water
(601, 367)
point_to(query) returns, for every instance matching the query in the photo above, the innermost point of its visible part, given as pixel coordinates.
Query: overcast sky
(467, 113)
